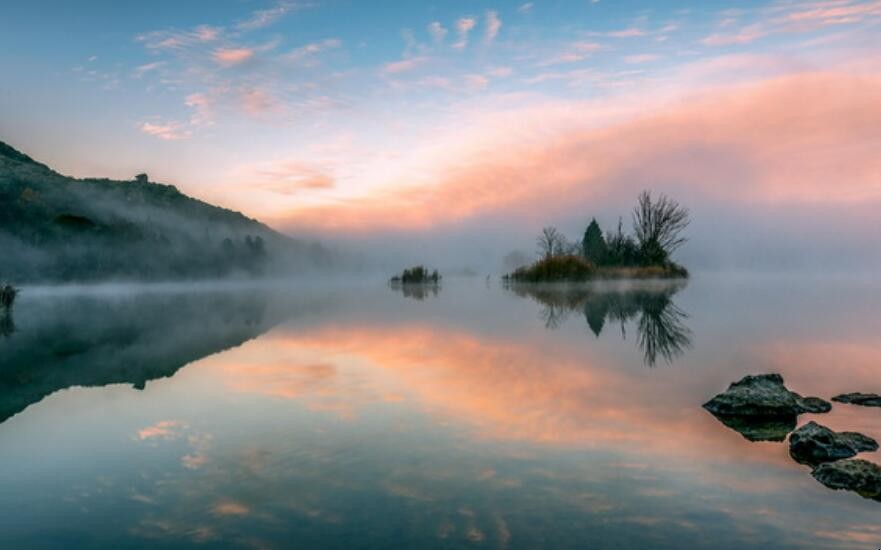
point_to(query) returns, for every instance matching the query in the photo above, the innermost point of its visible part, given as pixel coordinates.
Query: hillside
(58, 228)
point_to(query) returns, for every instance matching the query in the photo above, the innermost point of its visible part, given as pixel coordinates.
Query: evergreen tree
(593, 245)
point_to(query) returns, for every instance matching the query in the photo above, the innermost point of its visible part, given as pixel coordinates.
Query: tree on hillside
(593, 246)
(658, 226)
(550, 242)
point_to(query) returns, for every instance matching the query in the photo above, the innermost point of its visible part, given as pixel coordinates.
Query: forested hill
(58, 228)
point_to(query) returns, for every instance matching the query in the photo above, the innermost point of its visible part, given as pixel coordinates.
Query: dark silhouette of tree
(142, 178)
(593, 245)
(550, 242)
(621, 249)
(658, 226)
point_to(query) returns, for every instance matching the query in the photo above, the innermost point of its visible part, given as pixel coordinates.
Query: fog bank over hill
(57, 228)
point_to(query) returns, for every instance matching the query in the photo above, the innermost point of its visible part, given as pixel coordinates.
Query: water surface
(469, 415)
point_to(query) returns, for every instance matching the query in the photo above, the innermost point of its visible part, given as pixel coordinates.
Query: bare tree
(550, 242)
(658, 225)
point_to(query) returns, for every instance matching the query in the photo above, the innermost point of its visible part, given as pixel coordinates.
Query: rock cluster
(763, 396)
(761, 408)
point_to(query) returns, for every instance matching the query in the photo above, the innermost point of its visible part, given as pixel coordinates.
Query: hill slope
(57, 228)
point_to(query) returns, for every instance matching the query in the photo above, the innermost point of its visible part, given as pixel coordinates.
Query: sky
(463, 127)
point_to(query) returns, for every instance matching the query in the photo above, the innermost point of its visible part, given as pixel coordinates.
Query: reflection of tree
(417, 291)
(7, 325)
(660, 324)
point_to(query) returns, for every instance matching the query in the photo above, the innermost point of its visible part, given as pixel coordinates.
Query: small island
(657, 232)
(418, 275)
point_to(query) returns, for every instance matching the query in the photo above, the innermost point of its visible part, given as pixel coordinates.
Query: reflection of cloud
(230, 508)
(165, 429)
(197, 457)
(501, 389)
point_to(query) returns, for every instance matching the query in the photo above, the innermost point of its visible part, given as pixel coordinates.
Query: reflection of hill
(660, 324)
(95, 341)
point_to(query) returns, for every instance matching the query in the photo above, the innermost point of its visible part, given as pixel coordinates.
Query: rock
(857, 475)
(864, 399)
(765, 396)
(814, 444)
(756, 428)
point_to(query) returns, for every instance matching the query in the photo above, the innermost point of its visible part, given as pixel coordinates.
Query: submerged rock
(765, 396)
(857, 475)
(814, 444)
(864, 399)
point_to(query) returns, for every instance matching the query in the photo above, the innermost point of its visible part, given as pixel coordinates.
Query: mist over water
(340, 414)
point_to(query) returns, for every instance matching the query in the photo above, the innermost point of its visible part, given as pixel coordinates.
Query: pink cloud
(232, 56)
(404, 65)
(834, 12)
(744, 36)
(777, 140)
(641, 58)
(493, 25)
(171, 131)
(464, 26)
(629, 32)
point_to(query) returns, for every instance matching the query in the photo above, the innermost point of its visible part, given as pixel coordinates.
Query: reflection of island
(660, 323)
(417, 291)
(95, 341)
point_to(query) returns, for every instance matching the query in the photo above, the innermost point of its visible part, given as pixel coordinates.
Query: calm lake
(473, 415)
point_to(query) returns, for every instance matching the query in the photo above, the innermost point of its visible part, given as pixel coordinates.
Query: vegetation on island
(416, 275)
(658, 226)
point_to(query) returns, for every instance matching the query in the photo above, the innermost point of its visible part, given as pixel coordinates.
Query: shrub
(556, 268)
(417, 274)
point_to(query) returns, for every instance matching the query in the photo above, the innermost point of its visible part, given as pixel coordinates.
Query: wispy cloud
(264, 18)
(404, 65)
(525, 8)
(289, 177)
(832, 12)
(168, 131)
(743, 36)
(464, 26)
(629, 32)
(493, 25)
(573, 52)
(641, 58)
(437, 31)
(141, 70)
(232, 56)
(314, 48)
